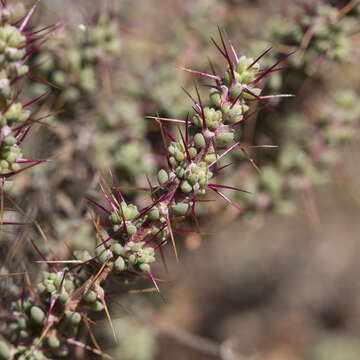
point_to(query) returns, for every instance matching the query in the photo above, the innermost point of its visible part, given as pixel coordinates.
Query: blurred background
(279, 281)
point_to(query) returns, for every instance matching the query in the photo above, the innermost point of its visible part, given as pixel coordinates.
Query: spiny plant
(310, 143)
(305, 161)
(70, 70)
(17, 43)
(45, 323)
(72, 61)
(320, 34)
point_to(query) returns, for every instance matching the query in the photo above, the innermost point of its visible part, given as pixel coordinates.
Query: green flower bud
(235, 91)
(173, 161)
(209, 158)
(90, 296)
(192, 179)
(199, 141)
(24, 334)
(154, 213)
(180, 209)
(224, 139)
(50, 288)
(115, 218)
(63, 297)
(37, 315)
(59, 78)
(180, 172)
(22, 323)
(68, 285)
(131, 229)
(241, 66)
(179, 156)
(192, 152)
(83, 255)
(74, 317)
(144, 267)
(120, 264)
(255, 91)
(102, 253)
(197, 120)
(53, 341)
(227, 77)
(22, 70)
(162, 176)
(9, 140)
(186, 187)
(130, 211)
(137, 246)
(97, 306)
(132, 259)
(118, 249)
(41, 288)
(149, 251)
(215, 97)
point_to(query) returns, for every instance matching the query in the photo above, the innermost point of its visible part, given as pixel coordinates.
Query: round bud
(37, 315)
(22, 323)
(149, 250)
(9, 140)
(131, 229)
(180, 172)
(5, 351)
(97, 305)
(74, 317)
(173, 161)
(115, 218)
(89, 296)
(180, 209)
(192, 179)
(132, 259)
(102, 253)
(215, 97)
(162, 177)
(120, 264)
(192, 152)
(199, 141)
(235, 91)
(24, 334)
(63, 297)
(50, 288)
(68, 285)
(144, 267)
(41, 288)
(254, 91)
(53, 341)
(186, 187)
(137, 246)
(118, 249)
(224, 139)
(179, 156)
(209, 158)
(154, 213)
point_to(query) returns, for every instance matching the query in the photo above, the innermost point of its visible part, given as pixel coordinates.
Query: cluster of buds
(305, 161)
(71, 64)
(317, 35)
(17, 43)
(28, 320)
(52, 319)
